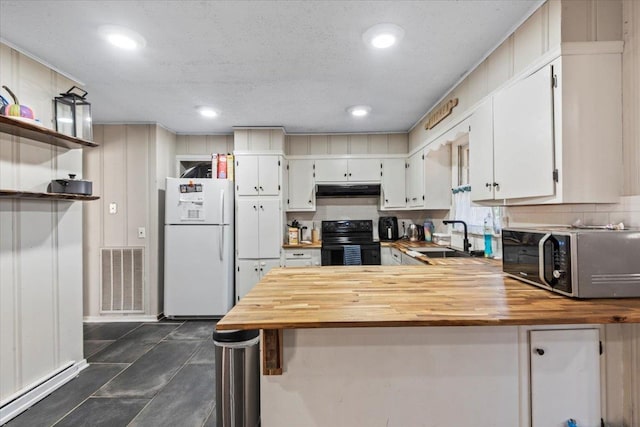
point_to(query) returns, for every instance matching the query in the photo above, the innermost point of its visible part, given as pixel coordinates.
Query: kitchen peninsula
(447, 344)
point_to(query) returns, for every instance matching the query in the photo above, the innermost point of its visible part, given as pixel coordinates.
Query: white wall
(40, 241)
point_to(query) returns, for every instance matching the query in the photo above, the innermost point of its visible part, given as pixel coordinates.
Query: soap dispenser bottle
(488, 236)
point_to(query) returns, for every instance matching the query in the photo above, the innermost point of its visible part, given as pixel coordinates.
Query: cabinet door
(301, 186)
(267, 264)
(437, 177)
(565, 377)
(523, 144)
(364, 170)
(481, 152)
(247, 275)
(269, 175)
(393, 183)
(416, 176)
(331, 170)
(396, 256)
(247, 227)
(270, 229)
(385, 256)
(246, 175)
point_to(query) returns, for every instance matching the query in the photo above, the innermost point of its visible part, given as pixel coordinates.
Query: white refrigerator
(198, 247)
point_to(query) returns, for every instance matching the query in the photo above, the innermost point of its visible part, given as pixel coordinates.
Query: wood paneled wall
(128, 169)
(40, 241)
(631, 96)
(203, 144)
(392, 143)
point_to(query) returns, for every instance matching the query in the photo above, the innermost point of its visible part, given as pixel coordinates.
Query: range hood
(347, 190)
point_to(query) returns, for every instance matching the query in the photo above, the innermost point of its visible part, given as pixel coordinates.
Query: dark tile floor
(140, 374)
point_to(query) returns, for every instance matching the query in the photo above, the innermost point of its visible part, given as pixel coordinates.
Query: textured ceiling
(296, 64)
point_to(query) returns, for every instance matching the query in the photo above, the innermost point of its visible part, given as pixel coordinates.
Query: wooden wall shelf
(40, 133)
(15, 194)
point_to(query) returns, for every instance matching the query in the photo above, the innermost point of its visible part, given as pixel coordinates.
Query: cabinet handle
(349, 174)
(261, 207)
(298, 254)
(309, 201)
(256, 188)
(386, 200)
(256, 268)
(539, 351)
(345, 174)
(488, 185)
(497, 186)
(415, 198)
(255, 208)
(261, 269)
(261, 189)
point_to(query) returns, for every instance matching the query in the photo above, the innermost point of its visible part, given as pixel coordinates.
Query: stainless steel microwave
(581, 263)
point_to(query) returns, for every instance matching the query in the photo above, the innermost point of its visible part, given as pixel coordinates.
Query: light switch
(113, 208)
(142, 233)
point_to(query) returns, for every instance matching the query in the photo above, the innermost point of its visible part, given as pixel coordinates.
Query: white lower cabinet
(385, 255)
(409, 260)
(301, 258)
(565, 377)
(396, 257)
(250, 271)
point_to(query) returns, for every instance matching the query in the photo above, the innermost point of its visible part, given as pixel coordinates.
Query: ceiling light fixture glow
(383, 36)
(359, 110)
(123, 38)
(207, 112)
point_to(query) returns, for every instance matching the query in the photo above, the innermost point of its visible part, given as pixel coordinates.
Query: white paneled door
(481, 152)
(268, 175)
(270, 235)
(523, 138)
(565, 377)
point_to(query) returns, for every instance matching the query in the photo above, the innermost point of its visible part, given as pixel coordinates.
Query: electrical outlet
(113, 208)
(142, 233)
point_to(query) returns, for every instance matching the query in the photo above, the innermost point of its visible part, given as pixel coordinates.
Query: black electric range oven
(338, 234)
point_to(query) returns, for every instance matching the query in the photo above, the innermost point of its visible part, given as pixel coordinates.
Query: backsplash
(361, 208)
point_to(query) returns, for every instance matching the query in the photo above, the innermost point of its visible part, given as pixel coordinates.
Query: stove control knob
(558, 274)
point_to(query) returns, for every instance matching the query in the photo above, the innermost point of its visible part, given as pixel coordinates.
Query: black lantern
(73, 114)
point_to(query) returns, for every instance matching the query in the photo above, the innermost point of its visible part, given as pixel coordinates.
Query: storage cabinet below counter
(307, 257)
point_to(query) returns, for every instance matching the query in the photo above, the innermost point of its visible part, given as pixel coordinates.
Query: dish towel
(352, 255)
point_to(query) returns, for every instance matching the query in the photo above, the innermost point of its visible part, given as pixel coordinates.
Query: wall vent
(122, 280)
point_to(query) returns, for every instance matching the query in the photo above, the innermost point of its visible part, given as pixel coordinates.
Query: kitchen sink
(439, 252)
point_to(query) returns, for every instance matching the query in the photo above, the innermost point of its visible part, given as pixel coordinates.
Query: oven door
(334, 254)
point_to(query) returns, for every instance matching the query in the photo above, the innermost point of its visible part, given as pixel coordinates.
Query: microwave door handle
(541, 259)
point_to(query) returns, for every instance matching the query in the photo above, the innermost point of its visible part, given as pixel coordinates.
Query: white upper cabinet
(257, 175)
(392, 191)
(301, 186)
(343, 170)
(523, 138)
(331, 170)
(555, 136)
(481, 152)
(437, 177)
(428, 178)
(414, 175)
(364, 170)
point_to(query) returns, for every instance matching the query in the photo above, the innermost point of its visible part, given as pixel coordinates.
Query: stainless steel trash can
(237, 378)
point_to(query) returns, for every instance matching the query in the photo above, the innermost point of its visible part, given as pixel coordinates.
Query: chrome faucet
(465, 243)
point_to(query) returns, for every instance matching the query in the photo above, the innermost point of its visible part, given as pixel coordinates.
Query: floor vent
(122, 280)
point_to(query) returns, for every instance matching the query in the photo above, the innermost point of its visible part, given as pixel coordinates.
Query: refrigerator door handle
(221, 241)
(222, 207)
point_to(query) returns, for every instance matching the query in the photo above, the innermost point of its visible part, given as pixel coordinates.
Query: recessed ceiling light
(123, 38)
(382, 36)
(359, 110)
(207, 112)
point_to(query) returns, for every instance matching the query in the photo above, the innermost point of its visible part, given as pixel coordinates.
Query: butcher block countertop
(430, 295)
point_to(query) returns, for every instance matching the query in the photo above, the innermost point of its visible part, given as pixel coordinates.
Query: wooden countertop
(436, 295)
